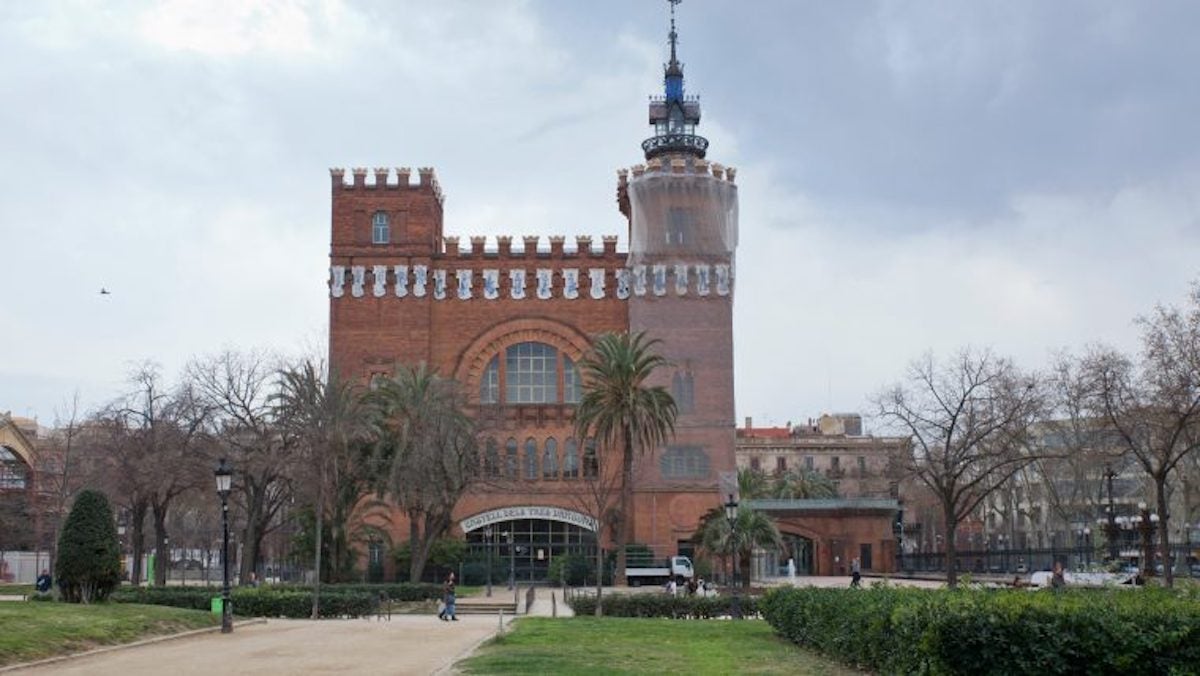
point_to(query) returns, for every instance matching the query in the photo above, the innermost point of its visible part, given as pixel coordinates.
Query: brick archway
(564, 338)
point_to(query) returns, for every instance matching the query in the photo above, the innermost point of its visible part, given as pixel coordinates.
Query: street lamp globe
(224, 475)
(731, 509)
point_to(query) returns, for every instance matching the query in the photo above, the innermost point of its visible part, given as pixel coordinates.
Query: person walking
(447, 613)
(855, 574)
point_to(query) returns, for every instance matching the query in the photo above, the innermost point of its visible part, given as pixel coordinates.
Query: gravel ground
(408, 644)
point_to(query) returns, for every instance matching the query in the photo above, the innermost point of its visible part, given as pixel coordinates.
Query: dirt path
(408, 644)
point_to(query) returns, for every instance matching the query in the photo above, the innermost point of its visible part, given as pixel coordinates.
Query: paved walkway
(408, 644)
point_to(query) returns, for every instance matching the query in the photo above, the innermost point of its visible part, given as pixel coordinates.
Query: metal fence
(1020, 561)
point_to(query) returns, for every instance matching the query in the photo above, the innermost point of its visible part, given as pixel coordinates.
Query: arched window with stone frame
(591, 461)
(531, 459)
(510, 458)
(550, 459)
(491, 459)
(570, 459)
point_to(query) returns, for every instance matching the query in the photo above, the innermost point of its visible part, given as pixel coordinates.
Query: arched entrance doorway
(523, 542)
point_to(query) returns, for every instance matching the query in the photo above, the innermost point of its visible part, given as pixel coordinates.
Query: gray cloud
(1020, 174)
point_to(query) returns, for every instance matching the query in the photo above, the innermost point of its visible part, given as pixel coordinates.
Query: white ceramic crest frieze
(463, 277)
(491, 284)
(401, 273)
(338, 282)
(596, 282)
(570, 283)
(379, 280)
(545, 282)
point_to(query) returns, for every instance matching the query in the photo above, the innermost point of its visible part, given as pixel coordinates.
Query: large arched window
(531, 374)
(510, 458)
(13, 472)
(381, 230)
(571, 460)
(550, 459)
(531, 459)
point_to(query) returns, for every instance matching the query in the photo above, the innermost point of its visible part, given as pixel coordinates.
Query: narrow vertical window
(510, 458)
(571, 384)
(550, 459)
(571, 460)
(489, 384)
(381, 231)
(491, 459)
(531, 459)
(591, 463)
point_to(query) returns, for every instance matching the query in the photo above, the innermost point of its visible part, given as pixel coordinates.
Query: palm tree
(754, 529)
(802, 484)
(429, 452)
(328, 418)
(621, 410)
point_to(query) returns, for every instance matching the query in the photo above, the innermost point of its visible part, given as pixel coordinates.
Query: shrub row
(662, 605)
(258, 602)
(397, 591)
(916, 631)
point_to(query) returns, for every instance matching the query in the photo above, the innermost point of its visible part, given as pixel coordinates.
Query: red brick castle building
(511, 324)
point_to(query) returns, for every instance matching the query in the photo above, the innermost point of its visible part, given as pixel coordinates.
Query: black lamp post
(487, 540)
(731, 515)
(224, 474)
(1111, 529)
(1147, 524)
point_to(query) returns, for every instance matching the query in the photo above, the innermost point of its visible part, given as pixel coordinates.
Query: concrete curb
(111, 648)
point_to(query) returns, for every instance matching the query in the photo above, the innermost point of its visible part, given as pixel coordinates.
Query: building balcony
(675, 143)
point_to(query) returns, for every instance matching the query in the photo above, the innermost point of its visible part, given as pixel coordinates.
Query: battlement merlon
(452, 247)
(672, 165)
(427, 179)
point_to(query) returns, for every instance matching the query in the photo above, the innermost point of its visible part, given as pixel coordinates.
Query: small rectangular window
(835, 462)
(808, 462)
(780, 464)
(862, 464)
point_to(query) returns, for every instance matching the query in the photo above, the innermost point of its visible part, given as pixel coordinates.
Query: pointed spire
(673, 67)
(674, 116)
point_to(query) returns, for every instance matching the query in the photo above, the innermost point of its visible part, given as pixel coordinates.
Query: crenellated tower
(682, 213)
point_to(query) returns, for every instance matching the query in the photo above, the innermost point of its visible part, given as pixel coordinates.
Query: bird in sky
(105, 292)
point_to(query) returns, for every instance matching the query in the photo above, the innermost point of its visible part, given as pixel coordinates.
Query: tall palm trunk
(625, 529)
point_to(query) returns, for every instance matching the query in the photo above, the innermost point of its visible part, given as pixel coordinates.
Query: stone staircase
(482, 605)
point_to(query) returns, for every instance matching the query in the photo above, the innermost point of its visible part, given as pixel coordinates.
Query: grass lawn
(35, 630)
(617, 645)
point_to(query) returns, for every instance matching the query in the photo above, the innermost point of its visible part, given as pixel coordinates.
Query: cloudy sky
(914, 176)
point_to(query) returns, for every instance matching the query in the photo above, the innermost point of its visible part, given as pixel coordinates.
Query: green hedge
(918, 631)
(295, 602)
(662, 605)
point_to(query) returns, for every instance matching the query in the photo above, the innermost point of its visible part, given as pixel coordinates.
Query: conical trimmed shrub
(89, 555)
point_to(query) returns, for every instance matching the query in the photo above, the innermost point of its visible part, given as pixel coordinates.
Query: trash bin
(217, 606)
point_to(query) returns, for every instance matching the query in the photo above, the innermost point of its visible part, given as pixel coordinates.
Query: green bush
(663, 605)
(903, 631)
(89, 559)
(282, 600)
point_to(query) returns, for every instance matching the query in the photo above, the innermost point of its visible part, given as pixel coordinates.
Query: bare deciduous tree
(969, 420)
(1153, 404)
(239, 387)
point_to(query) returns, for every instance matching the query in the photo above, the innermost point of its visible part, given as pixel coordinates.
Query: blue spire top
(673, 79)
(674, 116)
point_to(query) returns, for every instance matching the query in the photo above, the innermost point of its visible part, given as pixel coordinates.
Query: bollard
(553, 605)
(500, 630)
